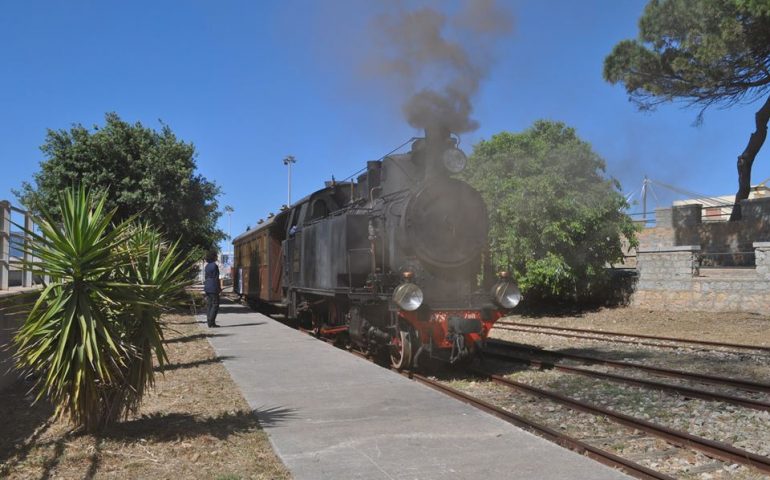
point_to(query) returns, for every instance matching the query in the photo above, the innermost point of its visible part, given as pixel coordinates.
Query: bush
(556, 220)
(93, 333)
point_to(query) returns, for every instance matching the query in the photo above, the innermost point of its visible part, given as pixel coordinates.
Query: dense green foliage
(555, 219)
(93, 332)
(699, 51)
(142, 171)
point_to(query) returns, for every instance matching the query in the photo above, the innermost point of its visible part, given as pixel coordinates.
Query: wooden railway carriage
(257, 263)
(389, 262)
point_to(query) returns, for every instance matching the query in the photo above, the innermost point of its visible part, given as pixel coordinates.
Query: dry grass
(730, 327)
(195, 424)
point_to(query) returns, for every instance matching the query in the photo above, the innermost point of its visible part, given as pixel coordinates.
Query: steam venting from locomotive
(439, 61)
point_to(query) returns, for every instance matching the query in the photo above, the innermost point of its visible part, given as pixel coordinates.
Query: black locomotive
(389, 262)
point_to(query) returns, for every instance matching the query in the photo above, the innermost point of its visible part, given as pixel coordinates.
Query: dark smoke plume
(440, 61)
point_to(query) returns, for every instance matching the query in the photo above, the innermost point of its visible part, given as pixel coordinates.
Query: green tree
(555, 218)
(142, 171)
(704, 53)
(93, 332)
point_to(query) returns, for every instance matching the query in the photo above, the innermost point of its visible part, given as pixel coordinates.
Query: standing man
(212, 287)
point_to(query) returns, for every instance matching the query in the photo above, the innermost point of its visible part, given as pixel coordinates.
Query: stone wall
(683, 225)
(762, 254)
(670, 279)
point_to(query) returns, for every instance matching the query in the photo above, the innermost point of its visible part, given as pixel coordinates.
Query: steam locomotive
(388, 262)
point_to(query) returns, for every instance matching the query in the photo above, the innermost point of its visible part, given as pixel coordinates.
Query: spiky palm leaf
(92, 333)
(162, 271)
(69, 336)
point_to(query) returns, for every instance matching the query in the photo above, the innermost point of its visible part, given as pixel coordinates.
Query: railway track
(607, 336)
(684, 391)
(504, 351)
(681, 441)
(598, 454)
(722, 451)
(681, 374)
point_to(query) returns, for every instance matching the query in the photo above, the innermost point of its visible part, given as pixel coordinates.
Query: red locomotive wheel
(401, 351)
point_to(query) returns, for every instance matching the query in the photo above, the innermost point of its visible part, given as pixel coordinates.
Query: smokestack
(437, 135)
(437, 138)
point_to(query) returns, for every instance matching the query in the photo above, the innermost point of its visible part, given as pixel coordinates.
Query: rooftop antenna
(645, 184)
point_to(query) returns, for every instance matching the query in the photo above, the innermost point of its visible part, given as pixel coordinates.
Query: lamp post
(288, 161)
(229, 211)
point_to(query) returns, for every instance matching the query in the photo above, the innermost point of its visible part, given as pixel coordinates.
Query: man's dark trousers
(212, 303)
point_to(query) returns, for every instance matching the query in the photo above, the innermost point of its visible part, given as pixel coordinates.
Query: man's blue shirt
(211, 278)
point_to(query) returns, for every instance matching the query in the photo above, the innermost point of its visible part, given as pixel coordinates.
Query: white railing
(7, 238)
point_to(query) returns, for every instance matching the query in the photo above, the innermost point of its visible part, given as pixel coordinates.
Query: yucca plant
(92, 333)
(162, 272)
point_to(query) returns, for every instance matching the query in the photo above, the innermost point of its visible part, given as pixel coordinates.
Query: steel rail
(634, 335)
(716, 449)
(684, 391)
(589, 337)
(697, 377)
(559, 438)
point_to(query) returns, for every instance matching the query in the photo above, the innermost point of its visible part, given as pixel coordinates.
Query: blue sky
(249, 82)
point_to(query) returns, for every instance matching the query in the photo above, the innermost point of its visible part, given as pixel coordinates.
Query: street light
(288, 161)
(229, 211)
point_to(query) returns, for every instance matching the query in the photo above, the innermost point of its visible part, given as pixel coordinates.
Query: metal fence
(12, 250)
(710, 212)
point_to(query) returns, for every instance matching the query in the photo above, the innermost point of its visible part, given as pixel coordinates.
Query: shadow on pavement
(173, 426)
(196, 363)
(271, 416)
(197, 336)
(243, 324)
(231, 308)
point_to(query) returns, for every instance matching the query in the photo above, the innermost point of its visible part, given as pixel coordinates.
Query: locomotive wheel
(401, 352)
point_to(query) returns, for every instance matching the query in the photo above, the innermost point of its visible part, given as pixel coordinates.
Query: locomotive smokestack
(436, 141)
(436, 135)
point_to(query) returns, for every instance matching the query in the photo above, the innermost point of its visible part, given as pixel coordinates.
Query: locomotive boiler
(389, 262)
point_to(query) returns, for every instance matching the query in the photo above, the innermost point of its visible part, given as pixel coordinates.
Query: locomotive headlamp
(408, 296)
(454, 160)
(506, 294)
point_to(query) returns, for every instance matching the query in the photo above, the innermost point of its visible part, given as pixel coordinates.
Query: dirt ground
(195, 424)
(728, 327)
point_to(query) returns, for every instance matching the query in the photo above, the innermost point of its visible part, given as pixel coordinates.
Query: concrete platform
(332, 415)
